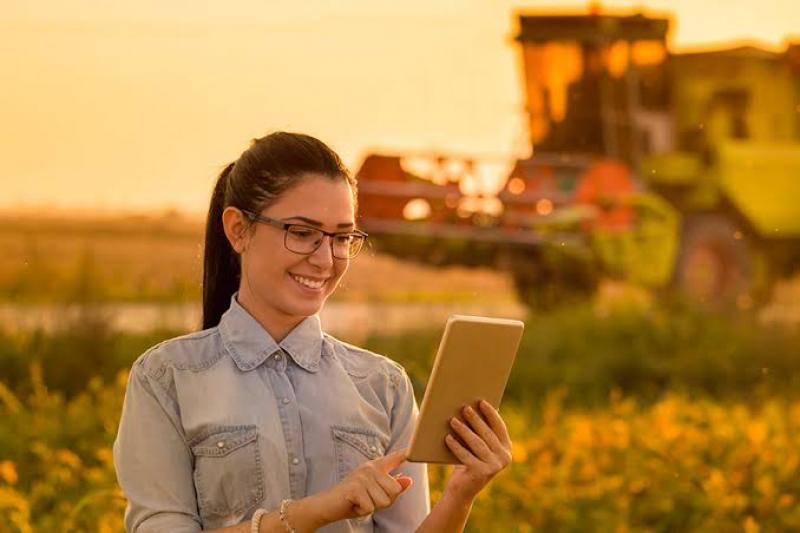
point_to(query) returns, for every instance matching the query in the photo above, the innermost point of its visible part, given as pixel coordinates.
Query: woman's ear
(235, 228)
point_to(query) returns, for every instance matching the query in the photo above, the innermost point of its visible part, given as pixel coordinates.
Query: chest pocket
(228, 476)
(354, 446)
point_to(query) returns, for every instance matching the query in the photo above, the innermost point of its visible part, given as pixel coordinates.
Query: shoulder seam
(166, 362)
(397, 371)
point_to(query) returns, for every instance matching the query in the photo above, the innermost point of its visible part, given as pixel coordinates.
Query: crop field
(627, 413)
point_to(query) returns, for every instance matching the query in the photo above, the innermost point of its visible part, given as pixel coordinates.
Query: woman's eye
(343, 239)
(303, 233)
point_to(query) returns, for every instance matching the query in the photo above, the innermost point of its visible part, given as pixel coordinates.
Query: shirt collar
(249, 344)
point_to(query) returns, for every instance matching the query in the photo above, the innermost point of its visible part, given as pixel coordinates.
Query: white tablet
(473, 362)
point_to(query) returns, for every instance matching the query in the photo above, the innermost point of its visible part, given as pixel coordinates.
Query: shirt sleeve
(411, 507)
(152, 460)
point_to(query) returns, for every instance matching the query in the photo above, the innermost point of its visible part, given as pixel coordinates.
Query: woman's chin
(307, 306)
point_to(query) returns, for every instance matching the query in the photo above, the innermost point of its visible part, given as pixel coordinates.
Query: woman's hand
(488, 451)
(366, 489)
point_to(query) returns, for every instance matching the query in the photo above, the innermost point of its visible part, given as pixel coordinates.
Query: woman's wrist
(458, 497)
(307, 514)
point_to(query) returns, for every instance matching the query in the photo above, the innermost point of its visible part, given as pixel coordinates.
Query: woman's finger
(379, 497)
(480, 427)
(389, 485)
(462, 454)
(360, 500)
(496, 423)
(475, 443)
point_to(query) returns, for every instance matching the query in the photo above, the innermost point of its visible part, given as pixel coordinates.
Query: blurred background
(624, 176)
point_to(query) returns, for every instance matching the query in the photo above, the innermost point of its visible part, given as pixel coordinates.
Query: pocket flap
(223, 440)
(362, 440)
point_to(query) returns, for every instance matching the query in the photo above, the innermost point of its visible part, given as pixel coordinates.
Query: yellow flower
(751, 526)
(8, 472)
(68, 458)
(519, 452)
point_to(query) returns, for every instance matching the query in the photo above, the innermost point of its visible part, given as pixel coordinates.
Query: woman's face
(270, 272)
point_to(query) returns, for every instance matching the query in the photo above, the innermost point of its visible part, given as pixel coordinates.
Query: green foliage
(56, 466)
(657, 419)
(642, 353)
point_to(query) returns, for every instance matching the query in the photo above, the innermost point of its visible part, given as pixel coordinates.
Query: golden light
(492, 206)
(617, 58)
(516, 185)
(647, 53)
(544, 206)
(451, 200)
(418, 166)
(455, 169)
(417, 209)
(469, 185)
(468, 205)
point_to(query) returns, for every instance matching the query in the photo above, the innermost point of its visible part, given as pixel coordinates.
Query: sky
(136, 106)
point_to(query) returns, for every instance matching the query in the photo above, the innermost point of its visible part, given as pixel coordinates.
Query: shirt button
(221, 444)
(295, 461)
(284, 401)
(373, 448)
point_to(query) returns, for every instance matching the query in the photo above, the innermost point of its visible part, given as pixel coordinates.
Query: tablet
(473, 362)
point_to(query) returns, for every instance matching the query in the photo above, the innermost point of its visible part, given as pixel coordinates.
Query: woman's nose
(324, 253)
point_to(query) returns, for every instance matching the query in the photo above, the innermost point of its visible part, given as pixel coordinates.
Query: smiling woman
(262, 421)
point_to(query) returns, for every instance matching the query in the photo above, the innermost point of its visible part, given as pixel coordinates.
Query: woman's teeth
(308, 283)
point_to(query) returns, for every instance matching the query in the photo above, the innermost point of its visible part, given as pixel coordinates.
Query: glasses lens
(302, 240)
(305, 240)
(347, 245)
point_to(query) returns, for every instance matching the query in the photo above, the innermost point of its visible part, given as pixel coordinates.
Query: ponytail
(221, 269)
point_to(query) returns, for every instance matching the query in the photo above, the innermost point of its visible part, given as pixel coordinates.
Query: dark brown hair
(266, 170)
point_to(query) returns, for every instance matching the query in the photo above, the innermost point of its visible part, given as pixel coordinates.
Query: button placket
(290, 422)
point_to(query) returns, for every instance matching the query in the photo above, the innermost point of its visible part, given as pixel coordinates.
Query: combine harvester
(672, 171)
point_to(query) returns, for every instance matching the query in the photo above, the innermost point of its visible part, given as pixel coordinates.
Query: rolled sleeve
(411, 507)
(153, 462)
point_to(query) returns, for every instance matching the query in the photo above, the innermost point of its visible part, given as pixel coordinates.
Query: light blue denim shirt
(222, 421)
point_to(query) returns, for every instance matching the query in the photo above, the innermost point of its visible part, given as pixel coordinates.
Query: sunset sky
(137, 106)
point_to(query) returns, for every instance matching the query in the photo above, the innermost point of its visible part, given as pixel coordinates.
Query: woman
(263, 422)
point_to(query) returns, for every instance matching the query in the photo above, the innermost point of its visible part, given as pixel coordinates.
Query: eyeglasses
(305, 240)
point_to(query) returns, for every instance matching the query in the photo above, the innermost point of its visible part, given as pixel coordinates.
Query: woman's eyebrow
(318, 223)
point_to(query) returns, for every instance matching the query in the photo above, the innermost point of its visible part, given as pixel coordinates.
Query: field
(159, 259)
(627, 413)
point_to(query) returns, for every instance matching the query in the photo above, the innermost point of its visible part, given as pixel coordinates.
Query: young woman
(262, 421)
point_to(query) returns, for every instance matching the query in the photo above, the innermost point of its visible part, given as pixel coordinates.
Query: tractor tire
(715, 266)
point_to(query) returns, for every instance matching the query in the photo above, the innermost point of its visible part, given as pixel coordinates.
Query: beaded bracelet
(255, 522)
(285, 516)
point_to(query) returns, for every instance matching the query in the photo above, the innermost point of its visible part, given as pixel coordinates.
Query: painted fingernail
(470, 410)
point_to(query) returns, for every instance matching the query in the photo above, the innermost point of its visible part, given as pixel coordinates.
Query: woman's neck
(277, 324)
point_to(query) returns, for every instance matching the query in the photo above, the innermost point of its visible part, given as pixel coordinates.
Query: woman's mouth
(308, 284)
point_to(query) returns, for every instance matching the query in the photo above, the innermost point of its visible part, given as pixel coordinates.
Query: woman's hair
(263, 173)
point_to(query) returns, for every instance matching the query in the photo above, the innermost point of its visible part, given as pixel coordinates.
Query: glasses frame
(286, 225)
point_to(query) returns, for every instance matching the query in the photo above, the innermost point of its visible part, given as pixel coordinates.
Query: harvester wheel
(715, 265)
(544, 281)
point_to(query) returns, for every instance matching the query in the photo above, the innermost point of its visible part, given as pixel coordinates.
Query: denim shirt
(222, 421)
